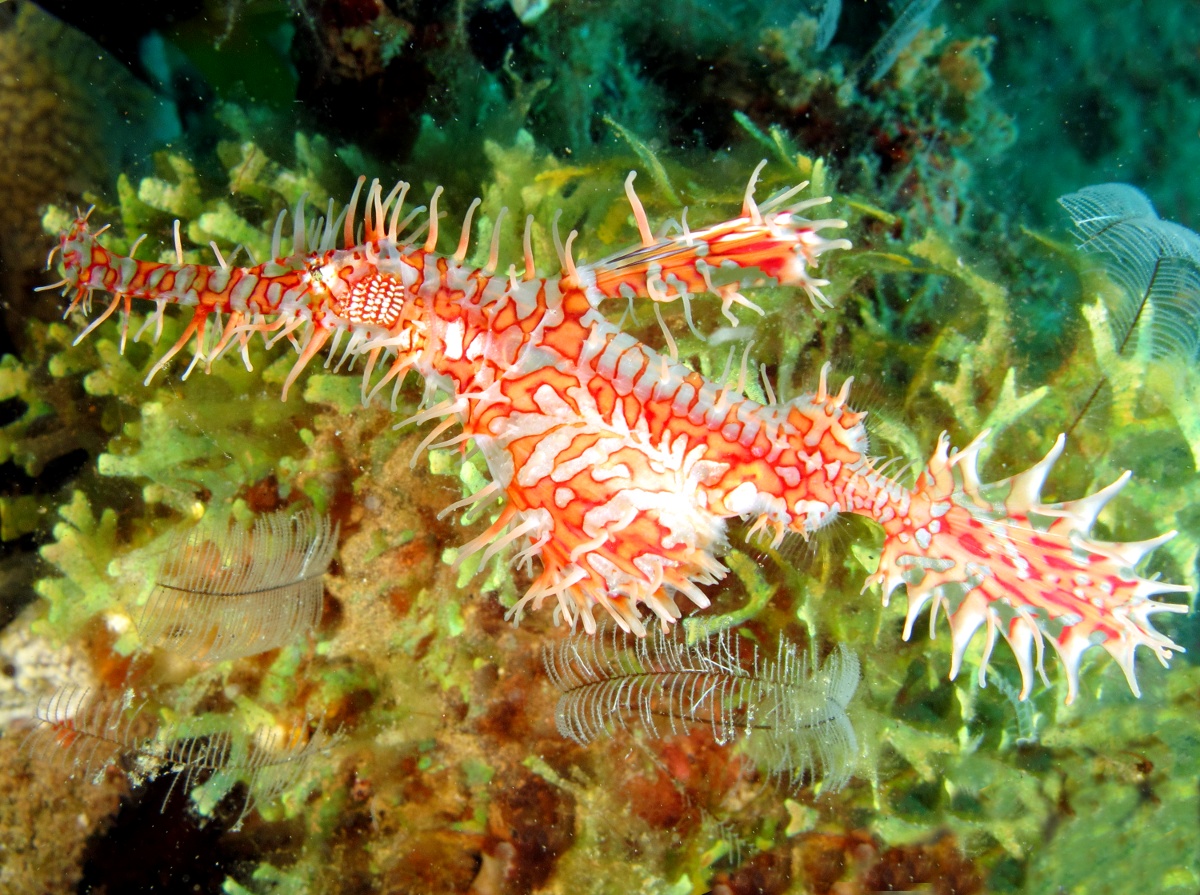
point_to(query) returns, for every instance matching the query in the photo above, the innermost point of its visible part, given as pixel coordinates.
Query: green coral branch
(759, 593)
(659, 174)
(84, 545)
(1010, 406)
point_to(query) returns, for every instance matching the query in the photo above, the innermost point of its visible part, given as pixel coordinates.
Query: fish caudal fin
(993, 556)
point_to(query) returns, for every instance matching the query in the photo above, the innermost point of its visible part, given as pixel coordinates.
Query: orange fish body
(619, 465)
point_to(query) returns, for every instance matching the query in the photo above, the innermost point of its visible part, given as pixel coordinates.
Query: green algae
(85, 543)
